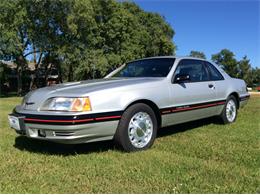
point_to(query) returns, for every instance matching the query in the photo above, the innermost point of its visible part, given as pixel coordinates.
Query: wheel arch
(151, 104)
(236, 95)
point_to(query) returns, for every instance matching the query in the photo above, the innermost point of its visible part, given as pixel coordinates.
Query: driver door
(192, 99)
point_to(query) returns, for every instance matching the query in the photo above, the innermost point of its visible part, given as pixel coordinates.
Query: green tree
(14, 41)
(156, 34)
(256, 76)
(120, 31)
(49, 33)
(26, 29)
(82, 38)
(245, 71)
(197, 54)
(226, 59)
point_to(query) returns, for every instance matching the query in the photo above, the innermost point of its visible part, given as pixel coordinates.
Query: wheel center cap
(141, 129)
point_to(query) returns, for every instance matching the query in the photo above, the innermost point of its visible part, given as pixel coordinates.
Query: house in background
(31, 79)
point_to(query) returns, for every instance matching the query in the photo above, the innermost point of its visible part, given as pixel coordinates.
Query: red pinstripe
(72, 121)
(59, 121)
(107, 117)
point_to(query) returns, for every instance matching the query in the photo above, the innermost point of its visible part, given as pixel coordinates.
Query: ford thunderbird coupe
(130, 104)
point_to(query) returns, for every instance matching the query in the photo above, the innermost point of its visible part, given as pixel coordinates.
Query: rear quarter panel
(228, 86)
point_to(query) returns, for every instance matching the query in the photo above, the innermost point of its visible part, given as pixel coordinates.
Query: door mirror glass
(180, 78)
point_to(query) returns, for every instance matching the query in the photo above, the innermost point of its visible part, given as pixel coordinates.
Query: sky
(212, 25)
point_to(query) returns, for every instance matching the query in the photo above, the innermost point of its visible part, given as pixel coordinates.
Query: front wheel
(229, 113)
(137, 128)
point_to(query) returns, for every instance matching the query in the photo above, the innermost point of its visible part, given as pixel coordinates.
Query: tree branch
(39, 61)
(31, 53)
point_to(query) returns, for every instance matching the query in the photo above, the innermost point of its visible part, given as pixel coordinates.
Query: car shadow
(50, 148)
(174, 129)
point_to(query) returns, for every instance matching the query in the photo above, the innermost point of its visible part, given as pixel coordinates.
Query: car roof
(176, 57)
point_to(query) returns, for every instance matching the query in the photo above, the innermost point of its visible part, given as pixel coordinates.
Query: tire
(137, 128)
(229, 113)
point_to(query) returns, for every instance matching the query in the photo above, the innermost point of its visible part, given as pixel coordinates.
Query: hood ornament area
(29, 103)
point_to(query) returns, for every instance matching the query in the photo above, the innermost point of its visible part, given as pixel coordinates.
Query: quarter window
(194, 68)
(215, 75)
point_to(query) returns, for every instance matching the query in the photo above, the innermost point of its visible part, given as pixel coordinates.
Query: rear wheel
(137, 128)
(229, 113)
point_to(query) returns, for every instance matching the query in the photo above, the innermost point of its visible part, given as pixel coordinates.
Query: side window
(215, 75)
(194, 68)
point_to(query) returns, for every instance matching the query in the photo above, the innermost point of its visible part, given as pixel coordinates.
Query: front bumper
(67, 131)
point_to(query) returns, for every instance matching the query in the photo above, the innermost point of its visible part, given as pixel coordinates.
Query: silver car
(131, 103)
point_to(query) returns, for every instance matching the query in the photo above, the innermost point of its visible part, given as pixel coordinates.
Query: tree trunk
(35, 79)
(21, 62)
(47, 70)
(34, 75)
(59, 73)
(70, 76)
(19, 80)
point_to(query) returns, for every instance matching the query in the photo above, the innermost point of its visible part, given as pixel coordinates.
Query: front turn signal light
(81, 105)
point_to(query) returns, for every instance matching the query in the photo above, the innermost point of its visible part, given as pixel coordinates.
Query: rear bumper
(66, 132)
(243, 100)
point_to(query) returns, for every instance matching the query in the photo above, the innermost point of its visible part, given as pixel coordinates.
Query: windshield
(147, 68)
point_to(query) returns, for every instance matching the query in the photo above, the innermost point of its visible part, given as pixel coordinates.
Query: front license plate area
(16, 122)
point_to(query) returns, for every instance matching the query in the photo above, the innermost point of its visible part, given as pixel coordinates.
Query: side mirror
(180, 78)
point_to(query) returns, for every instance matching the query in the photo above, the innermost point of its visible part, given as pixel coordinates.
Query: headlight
(67, 104)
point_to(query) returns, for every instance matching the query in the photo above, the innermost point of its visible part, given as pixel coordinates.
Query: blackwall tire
(137, 128)
(229, 113)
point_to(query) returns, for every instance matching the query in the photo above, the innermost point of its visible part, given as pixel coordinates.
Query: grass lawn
(197, 157)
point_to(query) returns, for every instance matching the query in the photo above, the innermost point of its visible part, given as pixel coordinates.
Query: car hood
(34, 99)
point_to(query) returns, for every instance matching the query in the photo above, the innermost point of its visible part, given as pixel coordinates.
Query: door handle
(211, 86)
